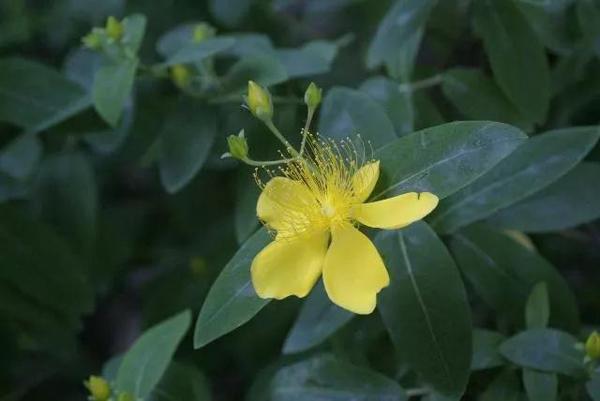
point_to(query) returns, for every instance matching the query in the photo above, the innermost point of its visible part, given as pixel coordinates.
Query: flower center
(328, 210)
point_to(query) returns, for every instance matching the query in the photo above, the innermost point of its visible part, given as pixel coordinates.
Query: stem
(239, 99)
(264, 163)
(278, 135)
(414, 392)
(422, 84)
(309, 117)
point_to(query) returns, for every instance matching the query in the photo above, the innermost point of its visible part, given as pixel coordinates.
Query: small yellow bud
(125, 397)
(202, 31)
(238, 146)
(312, 96)
(98, 387)
(180, 75)
(259, 101)
(592, 346)
(91, 40)
(114, 28)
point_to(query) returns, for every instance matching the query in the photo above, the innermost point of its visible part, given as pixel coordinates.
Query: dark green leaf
(182, 382)
(593, 386)
(348, 112)
(444, 158)
(401, 22)
(318, 319)
(323, 378)
(231, 300)
(548, 350)
(539, 162)
(588, 13)
(112, 87)
(401, 62)
(568, 202)
(229, 12)
(20, 157)
(247, 193)
(265, 70)
(425, 307)
(503, 273)
(185, 141)
(398, 104)
(540, 386)
(195, 52)
(551, 21)
(516, 56)
(479, 98)
(486, 353)
(537, 309)
(504, 387)
(35, 97)
(134, 28)
(147, 360)
(313, 58)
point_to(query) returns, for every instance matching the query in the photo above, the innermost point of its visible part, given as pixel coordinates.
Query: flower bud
(238, 146)
(592, 346)
(180, 75)
(114, 28)
(125, 397)
(98, 387)
(312, 96)
(202, 31)
(92, 40)
(259, 101)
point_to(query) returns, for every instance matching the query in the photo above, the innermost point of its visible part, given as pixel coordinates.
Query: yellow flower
(314, 208)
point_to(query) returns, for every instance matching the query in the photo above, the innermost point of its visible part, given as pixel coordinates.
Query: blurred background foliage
(117, 211)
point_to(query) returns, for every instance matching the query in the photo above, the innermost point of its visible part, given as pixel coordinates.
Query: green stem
(309, 117)
(278, 135)
(264, 163)
(239, 99)
(422, 84)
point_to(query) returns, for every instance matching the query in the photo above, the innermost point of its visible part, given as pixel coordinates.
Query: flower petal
(280, 202)
(289, 266)
(396, 212)
(353, 271)
(364, 180)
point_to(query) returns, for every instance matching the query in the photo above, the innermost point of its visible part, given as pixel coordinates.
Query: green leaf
(486, 353)
(229, 12)
(548, 350)
(195, 52)
(539, 162)
(323, 378)
(397, 104)
(134, 28)
(347, 112)
(20, 157)
(182, 382)
(401, 63)
(504, 387)
(35, 97)
(593, 386)
(588, 14)
(231, 300)
(245, 219)
(568, 202)
(503, 272)
(540, 386)
(478, 97)
(318, 319)
(66, 195)
(516, 56)
(444, 158)
(551, 21)
(147, 360)
(312, 58)
(186, 138)
(425, 307)
(400, 23)
(112, 87)
(537, 309)
(266, 70)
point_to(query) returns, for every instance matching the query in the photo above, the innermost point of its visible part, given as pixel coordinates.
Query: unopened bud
(125, 397)
(92, 40)
(180, 75)
(312, 96)
(259, 101)
(98, 387)
(592, 346)
(238, 146)
(114, 28)
(202, 31)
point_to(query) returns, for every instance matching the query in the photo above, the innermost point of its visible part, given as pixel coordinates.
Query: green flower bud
(98, 387)
(259, 101)
(592, 346)
(114, 28)
(180, 75)
(238, 146)
(202, 31)
(92, 40)
(125, 397)
(313, 96)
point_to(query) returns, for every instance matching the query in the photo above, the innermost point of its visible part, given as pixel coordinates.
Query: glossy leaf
(323, 378)
(479, 98)
(540, 386)
(182, 382)
(548, 350)
(266, 70)
(246, 221)
(20, 157)
(537, 309)
(187, 136)
(486, 352)
(516, 56)
(539, 162)
(112, 87)
(318, 319)
(312, 58)
(147, 360)
(593, 386)
(397, 104)
(425, 307)
(551, 21)
(568, 202)
(195, 52)
(134, 28)
(504, 387)
(231, 300)
(444, 158)
(503, 272)
(347, 112)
